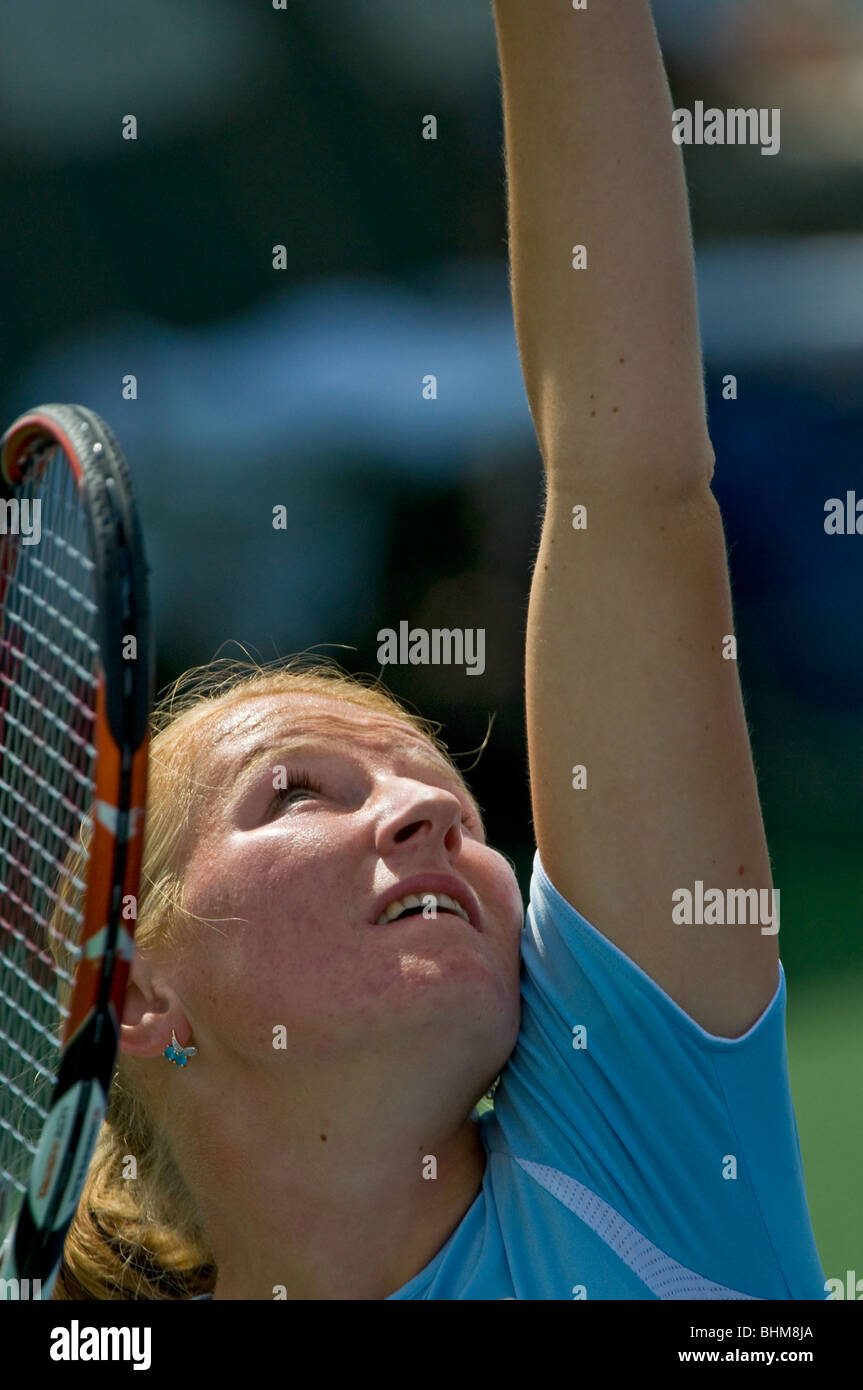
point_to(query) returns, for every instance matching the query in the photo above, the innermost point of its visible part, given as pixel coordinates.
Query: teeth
(399, 904)
(443, 900)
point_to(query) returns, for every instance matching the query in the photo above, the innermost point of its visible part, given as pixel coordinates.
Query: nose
(417, 812)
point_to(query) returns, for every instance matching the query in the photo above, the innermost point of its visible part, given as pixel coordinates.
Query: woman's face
(302, 875)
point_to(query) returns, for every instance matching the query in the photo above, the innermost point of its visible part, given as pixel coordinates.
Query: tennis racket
(75, 695)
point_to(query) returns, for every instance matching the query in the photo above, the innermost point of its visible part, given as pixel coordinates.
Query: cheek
(512, 916)
(259, 881)
(267, 952)
(505, 895)
(246, 981)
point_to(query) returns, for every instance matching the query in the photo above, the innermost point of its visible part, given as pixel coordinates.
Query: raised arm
(627, 664)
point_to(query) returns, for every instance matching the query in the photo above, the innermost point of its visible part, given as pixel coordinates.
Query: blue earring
(177, 1054)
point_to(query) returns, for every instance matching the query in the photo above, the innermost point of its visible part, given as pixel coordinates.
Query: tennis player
(334, 966)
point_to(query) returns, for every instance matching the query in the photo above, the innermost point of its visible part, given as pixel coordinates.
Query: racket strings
(48, 685)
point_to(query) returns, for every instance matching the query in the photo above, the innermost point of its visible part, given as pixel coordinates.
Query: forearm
(611, 353)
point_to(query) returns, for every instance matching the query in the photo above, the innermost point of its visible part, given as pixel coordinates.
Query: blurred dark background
(255, 386)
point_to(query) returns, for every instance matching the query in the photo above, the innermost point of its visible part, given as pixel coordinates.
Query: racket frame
(34, 1246)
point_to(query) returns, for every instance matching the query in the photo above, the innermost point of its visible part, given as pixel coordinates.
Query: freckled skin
(305, 880)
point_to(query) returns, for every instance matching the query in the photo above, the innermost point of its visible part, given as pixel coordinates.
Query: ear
(151, 1012)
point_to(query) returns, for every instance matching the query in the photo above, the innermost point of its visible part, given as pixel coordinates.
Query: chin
(470, 996)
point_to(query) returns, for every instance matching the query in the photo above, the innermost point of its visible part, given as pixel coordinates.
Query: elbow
(666, 470)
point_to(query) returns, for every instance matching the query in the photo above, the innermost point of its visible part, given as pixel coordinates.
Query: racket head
(76, 682)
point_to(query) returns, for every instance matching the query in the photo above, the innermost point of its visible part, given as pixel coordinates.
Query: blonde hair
(143, 1237)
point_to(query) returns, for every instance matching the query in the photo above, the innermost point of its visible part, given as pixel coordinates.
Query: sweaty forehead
(252, 726)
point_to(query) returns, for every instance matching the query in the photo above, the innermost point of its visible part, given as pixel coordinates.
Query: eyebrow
(292, 744)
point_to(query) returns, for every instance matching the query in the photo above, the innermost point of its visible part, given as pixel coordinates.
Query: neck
(345, 1202)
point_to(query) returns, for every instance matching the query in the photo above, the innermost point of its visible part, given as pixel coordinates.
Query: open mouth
(428, 905)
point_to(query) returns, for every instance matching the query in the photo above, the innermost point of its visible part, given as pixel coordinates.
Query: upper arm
(627, 677)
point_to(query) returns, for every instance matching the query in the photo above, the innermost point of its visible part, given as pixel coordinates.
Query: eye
(299, 784)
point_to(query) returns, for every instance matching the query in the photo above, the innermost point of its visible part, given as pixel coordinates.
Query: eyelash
(297, 781)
